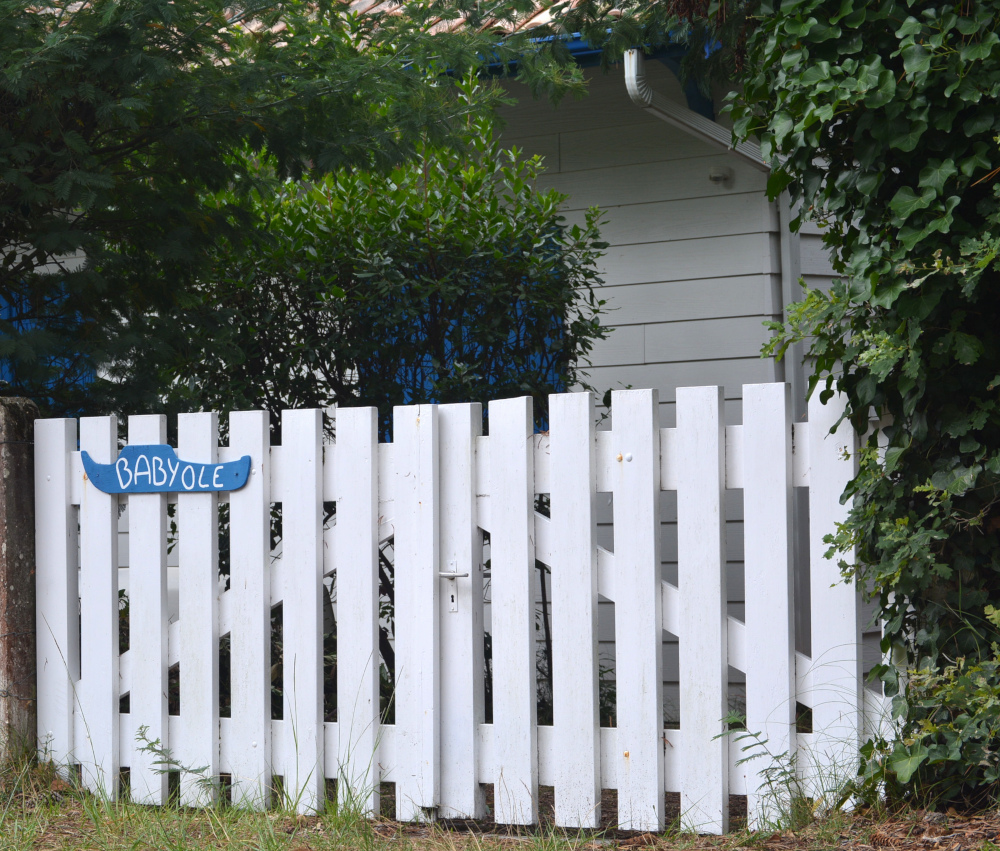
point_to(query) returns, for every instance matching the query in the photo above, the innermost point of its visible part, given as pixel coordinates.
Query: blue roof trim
(587, 56)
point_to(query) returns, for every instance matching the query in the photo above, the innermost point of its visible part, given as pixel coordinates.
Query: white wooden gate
(435, 489)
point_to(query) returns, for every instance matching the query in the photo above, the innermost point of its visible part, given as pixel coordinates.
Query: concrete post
(17, 577)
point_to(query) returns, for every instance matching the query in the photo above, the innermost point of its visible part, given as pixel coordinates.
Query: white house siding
(691, 273)
(693, 267)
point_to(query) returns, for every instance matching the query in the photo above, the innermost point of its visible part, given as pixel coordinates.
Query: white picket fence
(435, 488)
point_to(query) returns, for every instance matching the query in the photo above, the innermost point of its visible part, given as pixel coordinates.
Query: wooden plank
(690, 259)
(512, 551)
(678, 301)
(638, 609)
(646, 183)
(622, 345)
(198, 636)
(460, 614)
(816, 258)
(734, 407)
(836, 697)
(685, 218)
(417, 551)
(667, 377)
(577, 742)
(147, 544)
(250, 590)
(700, 466)
(302, 609)
(98, 752)
(707, 339)
(355, 458)
(648, 142)
(57, 606)
(770, 625)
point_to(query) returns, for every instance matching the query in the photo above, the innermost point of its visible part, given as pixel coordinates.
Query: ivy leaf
(916, 59)
(906, 202)
(911, 26)
(905, 761)
(892, 457)
(885, 92)
(936, 174)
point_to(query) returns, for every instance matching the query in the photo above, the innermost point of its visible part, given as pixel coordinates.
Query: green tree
(120, 118)
(881, 120)
(447, 279)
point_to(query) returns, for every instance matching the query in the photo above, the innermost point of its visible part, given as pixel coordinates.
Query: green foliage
(948, 753)
(449, 279)
(122, 121)
(715, 31)
(882, 121)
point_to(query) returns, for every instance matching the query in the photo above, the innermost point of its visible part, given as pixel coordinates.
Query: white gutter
(681, 117)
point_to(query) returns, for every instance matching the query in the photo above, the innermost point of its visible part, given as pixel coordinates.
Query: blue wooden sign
(157, 469)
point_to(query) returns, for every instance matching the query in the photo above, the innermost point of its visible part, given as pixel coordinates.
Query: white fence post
(638, 609)
(770, 627)
(98, 751)
(250, 624)
(460, 614)
(417, 551)
(147, 544)
(198, 592)
(836, 615)
(575, 674)
(701, 558)
(57, 589)
(512, 558)
(355, 557)
(302, 609)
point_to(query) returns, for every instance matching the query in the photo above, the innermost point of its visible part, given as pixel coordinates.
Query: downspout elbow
(645, 97)
(635, 79)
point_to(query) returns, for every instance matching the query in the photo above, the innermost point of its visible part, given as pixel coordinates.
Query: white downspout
(681, 117)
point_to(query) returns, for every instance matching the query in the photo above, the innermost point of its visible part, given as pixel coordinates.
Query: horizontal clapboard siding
(644, 183)
(679, 342)
(677, 301)
(686, 218)
(693, 267)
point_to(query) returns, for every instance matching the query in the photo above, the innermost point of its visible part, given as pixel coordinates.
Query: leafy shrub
(449, 279)
(949, 750)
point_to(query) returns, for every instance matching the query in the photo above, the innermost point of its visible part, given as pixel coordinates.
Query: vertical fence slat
(701, 557)
(250, 587)
(302, 609)
(638, 609)
(417, 550)
(574, 611)
(147, 544)
(770, 627)
(356, 561)
(835, 611)
(198, 590)
(57, 590)
(461, 620)
(512, 558)
(98, 691)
